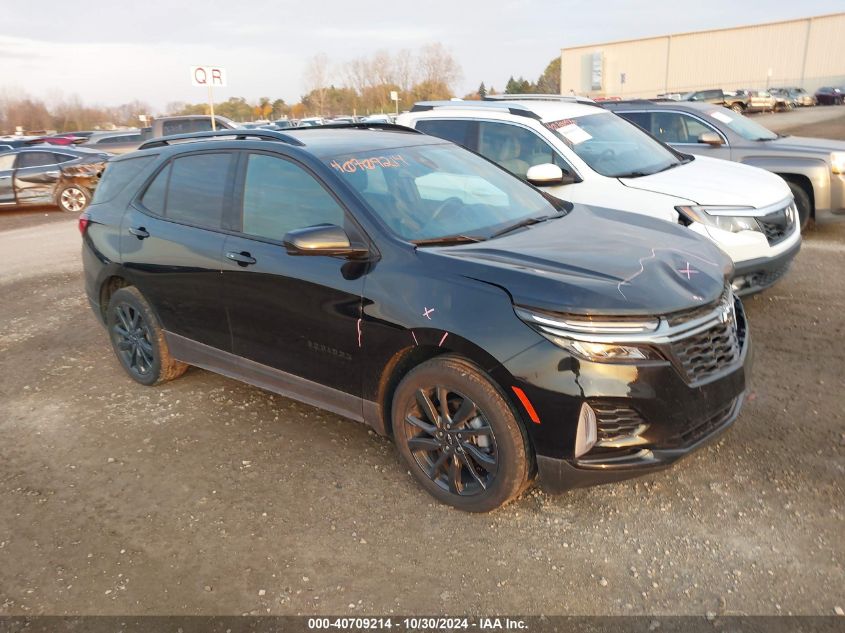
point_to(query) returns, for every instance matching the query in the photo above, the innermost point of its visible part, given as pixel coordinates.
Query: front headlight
(837, 162)
(720, 218)
(579, 335)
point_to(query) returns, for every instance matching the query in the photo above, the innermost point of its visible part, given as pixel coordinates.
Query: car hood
(595, 261)
(711, 181)
(804, 144)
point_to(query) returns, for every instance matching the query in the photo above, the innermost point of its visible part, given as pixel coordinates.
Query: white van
(580, 152)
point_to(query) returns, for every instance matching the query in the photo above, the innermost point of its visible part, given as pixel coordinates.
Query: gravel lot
(206, 496)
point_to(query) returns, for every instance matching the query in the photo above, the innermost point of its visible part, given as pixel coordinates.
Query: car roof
(56, 149)
(321, 141)
(544, 110)
(659, 104)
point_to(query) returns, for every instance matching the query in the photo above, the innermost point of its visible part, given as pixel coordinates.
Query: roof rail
(503, 106)
(537, 97)
(239, 134)
(361, 125)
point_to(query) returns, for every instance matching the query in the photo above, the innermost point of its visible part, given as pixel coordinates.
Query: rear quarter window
(456, 131)
(117, 175)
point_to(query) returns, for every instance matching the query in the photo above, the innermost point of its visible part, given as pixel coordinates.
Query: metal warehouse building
(808, 52)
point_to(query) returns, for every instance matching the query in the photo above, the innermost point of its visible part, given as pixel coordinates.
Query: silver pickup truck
(125, 142)
(813, 168)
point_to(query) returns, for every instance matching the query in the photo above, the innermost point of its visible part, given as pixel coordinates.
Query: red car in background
(66, 138)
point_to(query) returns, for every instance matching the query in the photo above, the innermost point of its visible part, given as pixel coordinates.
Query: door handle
(139, 232)
(53, 173)
(243, 258)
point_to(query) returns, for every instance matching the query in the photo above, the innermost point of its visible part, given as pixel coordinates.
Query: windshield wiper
(633, 174)
(525, 222)
(446, 240)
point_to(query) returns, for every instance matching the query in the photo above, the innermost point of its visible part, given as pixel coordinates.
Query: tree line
(359, 86)
(62, 114)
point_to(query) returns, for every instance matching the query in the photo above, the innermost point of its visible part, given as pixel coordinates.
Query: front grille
(776, 226)
(707, 353)
(615, 422)
(702, 427)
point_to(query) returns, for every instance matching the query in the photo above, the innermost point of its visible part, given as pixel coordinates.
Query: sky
(116, 51)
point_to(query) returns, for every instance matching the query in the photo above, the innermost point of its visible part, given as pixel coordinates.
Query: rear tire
(138, 340)
(802, 202)
(459, 436)
(737, 107)
(73, 198)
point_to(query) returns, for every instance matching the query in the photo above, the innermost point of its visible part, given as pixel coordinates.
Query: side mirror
(710, 138)
(547, 174)
(322, 239)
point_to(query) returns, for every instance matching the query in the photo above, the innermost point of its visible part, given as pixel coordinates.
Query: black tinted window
(156, 193)
(456, 131)
(197, 188)
(280, 196)
(117, 175)
(642, 119)
(186, 126)
(35, 159)
(63, 158)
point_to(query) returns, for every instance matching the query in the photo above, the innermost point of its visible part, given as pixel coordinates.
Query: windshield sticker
(720, 116)
(556, 125)
(354, 164)
(574, 134)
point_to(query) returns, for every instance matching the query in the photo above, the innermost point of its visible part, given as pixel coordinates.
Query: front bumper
(559, 475)
(648, 414)
(756, 275)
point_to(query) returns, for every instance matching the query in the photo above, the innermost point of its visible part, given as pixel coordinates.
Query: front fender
(816, 170)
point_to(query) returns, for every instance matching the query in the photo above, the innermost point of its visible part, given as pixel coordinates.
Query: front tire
(138, 340)
(737, 107)
(459, 436)
(73, 198)
(803, 204)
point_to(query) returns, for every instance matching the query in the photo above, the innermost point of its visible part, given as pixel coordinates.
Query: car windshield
(746, 128)
(612, 146)
(432, 192)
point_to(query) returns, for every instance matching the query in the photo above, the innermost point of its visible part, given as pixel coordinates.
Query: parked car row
(744, 100)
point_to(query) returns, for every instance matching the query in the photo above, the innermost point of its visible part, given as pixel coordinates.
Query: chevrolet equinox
(495, 332)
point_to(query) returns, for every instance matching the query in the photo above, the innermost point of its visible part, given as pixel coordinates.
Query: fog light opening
(585, 437)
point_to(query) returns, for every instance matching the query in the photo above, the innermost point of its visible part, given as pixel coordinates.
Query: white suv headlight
(837, 162)
(720, 218)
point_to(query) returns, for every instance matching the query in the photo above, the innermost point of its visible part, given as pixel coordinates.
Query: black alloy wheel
(132, 340)
(138, 340)
(452, 441)
(461, 437)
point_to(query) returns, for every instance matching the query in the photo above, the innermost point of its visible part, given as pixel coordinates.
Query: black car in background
(399, 280)
(48, 175)
(830, 95)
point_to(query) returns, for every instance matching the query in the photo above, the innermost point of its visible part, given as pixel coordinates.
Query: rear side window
(186, 126)
(117, 175)
(35, 159)
(460, 132)
(63, 158)
(192, 189)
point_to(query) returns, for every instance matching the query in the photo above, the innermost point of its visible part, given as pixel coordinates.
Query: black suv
(400, 280)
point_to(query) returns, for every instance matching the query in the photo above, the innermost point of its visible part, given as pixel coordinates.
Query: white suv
(578, 151)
